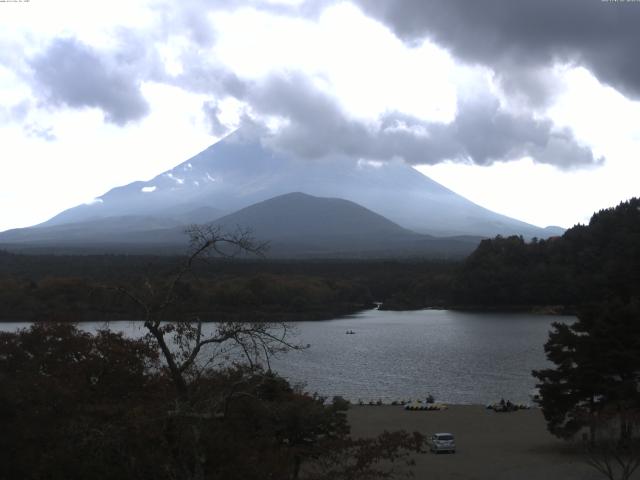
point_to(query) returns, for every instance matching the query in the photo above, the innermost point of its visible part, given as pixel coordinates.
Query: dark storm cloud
(481, 133)
(517, 37)
(73, 74)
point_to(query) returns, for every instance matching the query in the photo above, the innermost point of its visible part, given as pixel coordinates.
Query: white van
(442, 442)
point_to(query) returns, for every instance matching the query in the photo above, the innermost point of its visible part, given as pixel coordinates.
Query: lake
(458, 357)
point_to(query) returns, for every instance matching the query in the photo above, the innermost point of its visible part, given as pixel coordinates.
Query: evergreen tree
(597, 370)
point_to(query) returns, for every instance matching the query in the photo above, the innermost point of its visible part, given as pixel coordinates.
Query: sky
(528, 108)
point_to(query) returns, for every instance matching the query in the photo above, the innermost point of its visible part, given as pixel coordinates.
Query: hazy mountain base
(296, 225)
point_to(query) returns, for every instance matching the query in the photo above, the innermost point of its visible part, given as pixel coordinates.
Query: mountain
(298, 224)
(295, 225)
(100, 229)
(305, 216)
(239, 171)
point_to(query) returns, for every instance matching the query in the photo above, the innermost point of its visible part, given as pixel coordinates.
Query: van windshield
(444, 437)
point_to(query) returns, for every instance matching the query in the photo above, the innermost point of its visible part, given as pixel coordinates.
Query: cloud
(312, 124)
(212, 111)
(38, 131)
(202, 77)
(70, 73)
(310, 121)
(516, 38)
(15, 113)
(191, 17)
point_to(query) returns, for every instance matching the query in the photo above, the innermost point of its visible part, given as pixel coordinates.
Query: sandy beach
(490, 445)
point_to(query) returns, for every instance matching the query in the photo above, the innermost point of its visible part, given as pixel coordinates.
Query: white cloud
(89, 158)
(94, 22)
(362, 163)
(349, 57)
(600, 117)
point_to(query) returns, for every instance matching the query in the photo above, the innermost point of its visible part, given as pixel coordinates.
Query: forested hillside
(588, 263)
(80, 288)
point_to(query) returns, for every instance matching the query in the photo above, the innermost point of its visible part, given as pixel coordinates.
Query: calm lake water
(459, 357)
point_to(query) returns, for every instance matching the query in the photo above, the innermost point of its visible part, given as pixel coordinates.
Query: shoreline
(537, 309)
(490, 445)
(326, 315)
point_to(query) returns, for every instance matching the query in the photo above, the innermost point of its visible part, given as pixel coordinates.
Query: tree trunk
(176, 375)
(592, 423)
(297, 462)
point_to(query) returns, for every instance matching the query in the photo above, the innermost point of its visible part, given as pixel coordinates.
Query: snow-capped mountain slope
(238, 171)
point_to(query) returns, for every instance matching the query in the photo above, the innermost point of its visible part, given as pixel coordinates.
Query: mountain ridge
(239, 171)
(296, 225)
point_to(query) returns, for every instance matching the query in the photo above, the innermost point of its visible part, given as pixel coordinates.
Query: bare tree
(189, 347)
(304, 430)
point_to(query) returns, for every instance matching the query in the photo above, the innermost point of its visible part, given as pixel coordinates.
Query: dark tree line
(258, 295)
(64, 288)
(588, 263)
(594, 387)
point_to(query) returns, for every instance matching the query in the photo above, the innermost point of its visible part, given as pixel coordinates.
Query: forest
(588, 263)
(72, 288)
(557, 274)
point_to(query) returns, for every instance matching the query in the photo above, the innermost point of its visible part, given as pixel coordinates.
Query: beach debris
(407, 404)
(419, 406)
(508, 406)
